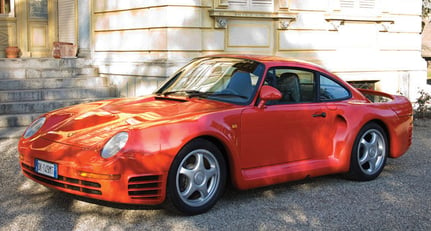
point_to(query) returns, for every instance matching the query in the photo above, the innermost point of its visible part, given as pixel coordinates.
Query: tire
(369, 153)
(197, 178)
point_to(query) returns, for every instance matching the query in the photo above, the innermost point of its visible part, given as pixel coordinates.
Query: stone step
(55, 94)
(17, 120)
(36, 63)
(48, 83)
(88, 71)
(32, 107)
(30, 87)
(38, 73)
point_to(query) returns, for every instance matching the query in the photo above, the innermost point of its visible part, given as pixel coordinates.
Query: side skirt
(267, 175)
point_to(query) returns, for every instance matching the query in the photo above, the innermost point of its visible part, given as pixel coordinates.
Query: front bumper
(124, 180)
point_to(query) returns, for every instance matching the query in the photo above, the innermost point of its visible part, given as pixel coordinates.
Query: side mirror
(268, 93)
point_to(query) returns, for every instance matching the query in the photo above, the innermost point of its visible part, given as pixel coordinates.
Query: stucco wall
(140, 43)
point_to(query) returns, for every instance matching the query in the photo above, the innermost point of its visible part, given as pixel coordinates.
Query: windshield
(225, 79)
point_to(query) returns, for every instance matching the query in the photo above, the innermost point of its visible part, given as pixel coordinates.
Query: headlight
(115, 144)
(34, 127)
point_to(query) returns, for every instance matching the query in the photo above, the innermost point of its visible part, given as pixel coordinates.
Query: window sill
(250, 14)
(221, 16)
(339, 20)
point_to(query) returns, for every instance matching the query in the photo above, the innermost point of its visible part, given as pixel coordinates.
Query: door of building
(37, 27)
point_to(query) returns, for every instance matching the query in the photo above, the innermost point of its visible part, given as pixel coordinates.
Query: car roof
(273, 60)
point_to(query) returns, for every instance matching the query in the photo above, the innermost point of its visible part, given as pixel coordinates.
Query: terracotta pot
(12, 52)
(63, 50)
(56, 50)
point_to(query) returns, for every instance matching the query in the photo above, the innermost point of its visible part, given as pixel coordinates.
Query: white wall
(139, 43)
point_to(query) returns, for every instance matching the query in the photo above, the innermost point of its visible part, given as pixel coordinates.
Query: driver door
(296, 128)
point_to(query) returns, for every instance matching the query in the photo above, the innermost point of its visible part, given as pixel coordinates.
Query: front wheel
(196, 178)
(369, 153)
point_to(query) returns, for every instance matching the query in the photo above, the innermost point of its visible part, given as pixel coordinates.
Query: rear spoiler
(398, 103)
(377, 96)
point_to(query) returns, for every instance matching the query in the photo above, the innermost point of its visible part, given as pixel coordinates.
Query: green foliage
(422, 103)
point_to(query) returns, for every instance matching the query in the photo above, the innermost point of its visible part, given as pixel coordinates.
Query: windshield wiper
(189, 93)
(195, 93)
(229, 95)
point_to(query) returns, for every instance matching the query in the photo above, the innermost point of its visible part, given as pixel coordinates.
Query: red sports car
(249, 121)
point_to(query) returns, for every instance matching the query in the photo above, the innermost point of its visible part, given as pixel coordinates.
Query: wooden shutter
(261, 2)
(347, 4)
(238, 2)
(367, 4)
(67, 21)
(358, 4)
(256, 5)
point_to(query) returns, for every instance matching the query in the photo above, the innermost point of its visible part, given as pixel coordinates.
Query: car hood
(91, 125)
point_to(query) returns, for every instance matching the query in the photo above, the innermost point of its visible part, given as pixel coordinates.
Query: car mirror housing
(268, 93)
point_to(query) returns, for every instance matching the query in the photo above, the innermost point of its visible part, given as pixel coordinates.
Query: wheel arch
(381, 124)
(385, 128)
(225, 152)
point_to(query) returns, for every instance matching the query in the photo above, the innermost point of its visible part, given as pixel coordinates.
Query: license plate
(46, 168)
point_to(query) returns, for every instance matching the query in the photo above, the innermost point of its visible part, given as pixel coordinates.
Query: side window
(331, 90)
(295, 85)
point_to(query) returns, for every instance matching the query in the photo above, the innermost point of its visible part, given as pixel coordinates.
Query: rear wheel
(369, 153)
(196, 178)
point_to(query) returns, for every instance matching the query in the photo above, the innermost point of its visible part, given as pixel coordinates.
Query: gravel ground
(397, 200)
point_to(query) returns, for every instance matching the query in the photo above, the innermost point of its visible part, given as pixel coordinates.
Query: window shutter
(261, 2)
(358, 4)
(238, 2)
(67, 21)
(254, 5)
(367, 4)
(347, 4)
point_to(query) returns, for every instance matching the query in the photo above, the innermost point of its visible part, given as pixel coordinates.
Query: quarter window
(330, 90)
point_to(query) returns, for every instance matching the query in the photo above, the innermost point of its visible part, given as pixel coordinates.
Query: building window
(251, 5)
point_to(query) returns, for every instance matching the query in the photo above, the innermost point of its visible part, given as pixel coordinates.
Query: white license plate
(46, 168)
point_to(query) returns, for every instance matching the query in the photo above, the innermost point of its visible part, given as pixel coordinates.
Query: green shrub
(422, 103)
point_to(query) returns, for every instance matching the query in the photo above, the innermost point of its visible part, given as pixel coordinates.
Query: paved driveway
(398, 200)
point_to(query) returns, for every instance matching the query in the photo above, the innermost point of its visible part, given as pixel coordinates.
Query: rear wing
(399, 104)
(377, 96)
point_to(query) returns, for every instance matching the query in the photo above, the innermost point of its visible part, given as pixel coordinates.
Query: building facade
(139, 43)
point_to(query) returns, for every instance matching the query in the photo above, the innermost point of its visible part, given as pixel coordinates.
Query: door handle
(323, 114)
